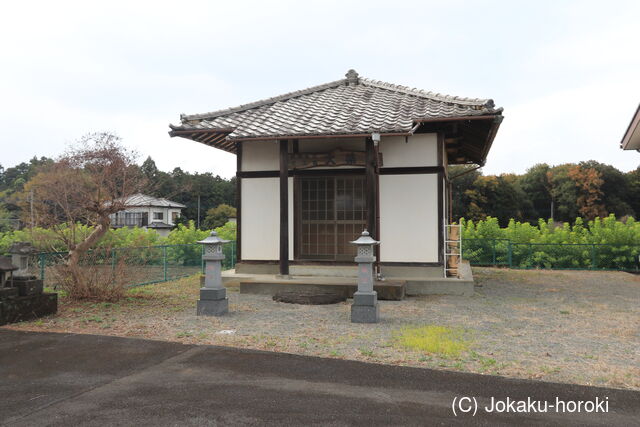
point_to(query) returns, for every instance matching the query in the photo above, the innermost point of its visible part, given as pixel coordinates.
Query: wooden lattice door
(332, 213)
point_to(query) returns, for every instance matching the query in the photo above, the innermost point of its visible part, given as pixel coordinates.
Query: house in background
(148, 212)
(631, 138)
(317, 166)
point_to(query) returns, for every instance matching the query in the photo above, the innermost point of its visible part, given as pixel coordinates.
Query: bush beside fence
(142, 265)
(154, 264)
(503, 252)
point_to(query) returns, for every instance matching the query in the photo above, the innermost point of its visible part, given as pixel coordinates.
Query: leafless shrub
(91, 181)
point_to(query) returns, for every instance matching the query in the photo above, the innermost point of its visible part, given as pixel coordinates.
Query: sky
(566, 72)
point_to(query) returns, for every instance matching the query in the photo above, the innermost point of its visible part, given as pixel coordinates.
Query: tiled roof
(631, 138)
(144, 200)
(350, 106)
(338, 107)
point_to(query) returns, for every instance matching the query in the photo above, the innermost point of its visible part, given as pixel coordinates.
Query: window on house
(174, 216)
(158, 216)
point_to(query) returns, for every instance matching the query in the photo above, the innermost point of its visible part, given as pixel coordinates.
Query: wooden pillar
(284, 207)
(440, 195)
(238, 202)
(370, 163)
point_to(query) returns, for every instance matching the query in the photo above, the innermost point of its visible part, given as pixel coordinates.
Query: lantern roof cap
(365, 239)
(212, 239)
(5, 264)
(22, 248)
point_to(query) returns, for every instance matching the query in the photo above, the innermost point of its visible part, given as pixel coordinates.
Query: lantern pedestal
(212, 307)
(365, 307)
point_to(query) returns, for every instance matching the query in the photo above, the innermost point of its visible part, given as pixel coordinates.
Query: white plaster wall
(260, 156)
(260, 218)
(420, 150)
(409, 218)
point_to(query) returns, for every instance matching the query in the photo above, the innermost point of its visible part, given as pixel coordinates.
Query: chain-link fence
(579, 256)
(142, 265)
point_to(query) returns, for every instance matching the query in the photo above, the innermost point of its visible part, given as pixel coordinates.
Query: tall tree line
(564, 192)
(177, 185)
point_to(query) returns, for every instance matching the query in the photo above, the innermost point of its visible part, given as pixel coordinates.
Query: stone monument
(22, 297)
(213, 296)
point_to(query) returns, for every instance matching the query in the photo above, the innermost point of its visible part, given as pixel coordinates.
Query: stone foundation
(21, 308)
(24, 300)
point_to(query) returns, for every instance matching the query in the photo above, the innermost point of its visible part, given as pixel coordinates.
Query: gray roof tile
(140, 199)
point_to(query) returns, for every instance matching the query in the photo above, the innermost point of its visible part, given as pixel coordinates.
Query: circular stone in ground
(310, 298)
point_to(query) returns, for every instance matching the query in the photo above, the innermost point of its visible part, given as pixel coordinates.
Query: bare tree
(87, 184)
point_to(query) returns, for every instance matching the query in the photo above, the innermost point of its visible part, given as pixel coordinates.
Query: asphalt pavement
(49, 379)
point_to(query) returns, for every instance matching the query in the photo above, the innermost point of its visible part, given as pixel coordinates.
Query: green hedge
(600, 231)
(45, 240)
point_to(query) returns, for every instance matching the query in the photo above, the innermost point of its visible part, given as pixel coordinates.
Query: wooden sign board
(336, 157)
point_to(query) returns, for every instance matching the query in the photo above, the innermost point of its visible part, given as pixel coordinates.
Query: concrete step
(324, 271)
(386, 290)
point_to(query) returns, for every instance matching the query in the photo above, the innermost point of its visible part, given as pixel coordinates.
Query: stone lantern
(365, 299)
(213, 296)
(20, 253)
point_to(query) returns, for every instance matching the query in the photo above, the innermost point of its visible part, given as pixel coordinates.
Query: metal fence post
(493, 252)
(42, 259)
(164, 262)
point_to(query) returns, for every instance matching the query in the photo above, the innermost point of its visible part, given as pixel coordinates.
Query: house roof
(352, 106)
(145, 200)
(631, 138)
(159, 224)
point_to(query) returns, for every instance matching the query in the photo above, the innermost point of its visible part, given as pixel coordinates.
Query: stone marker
(20, 253)
(213, 296)
(26, 283)
(365, 299)
(21, 295)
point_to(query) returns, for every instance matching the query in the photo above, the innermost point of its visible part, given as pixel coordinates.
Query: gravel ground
(565, 326)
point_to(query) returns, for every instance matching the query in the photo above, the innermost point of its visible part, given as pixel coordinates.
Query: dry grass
(576, 327)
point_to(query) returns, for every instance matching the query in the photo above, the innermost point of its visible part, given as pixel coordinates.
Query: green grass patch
(433, 339)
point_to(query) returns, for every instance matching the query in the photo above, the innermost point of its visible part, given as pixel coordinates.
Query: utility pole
(198, 211)
(31, 203)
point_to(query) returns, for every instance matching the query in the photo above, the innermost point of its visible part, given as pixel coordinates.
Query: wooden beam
(454, 119)
(440, 201)
(225, 145)
(324, 136)
(370, 191)
(238, 201)
(218, 138)
(284, 207)
(207, 138)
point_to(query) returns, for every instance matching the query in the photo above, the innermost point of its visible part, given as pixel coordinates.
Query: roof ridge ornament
(352, 77)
